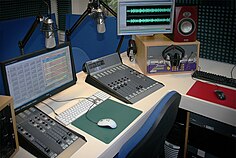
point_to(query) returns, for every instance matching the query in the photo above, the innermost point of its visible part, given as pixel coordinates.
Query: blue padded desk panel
(11, 32)
(93, 43)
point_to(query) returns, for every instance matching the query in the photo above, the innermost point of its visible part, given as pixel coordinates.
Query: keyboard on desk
(214, 78)
(77, 110)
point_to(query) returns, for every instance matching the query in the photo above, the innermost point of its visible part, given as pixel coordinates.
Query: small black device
(220, 94)
(214, 78)
(111, 76)
(30, 79)
(8, 134)
(132, 50)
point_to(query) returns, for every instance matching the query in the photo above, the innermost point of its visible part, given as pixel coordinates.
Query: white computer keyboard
(71, 114)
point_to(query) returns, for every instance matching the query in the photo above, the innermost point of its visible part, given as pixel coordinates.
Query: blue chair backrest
(80, 57)
(159, 121)
(93, 43)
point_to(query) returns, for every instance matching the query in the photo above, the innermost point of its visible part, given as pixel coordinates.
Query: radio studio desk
(179, 82)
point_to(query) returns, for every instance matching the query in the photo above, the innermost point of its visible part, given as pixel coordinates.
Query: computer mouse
(107, 122)
(220, 94)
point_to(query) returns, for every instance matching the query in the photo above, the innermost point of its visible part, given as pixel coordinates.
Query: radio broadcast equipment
(110, 75)
(30, 79)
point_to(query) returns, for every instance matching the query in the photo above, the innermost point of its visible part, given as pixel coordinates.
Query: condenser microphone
(100, 18)
(48, 29)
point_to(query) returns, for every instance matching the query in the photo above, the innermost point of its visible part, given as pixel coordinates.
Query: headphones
(174, 54)
(132, 49)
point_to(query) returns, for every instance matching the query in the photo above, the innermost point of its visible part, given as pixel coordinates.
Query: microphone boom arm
(22, 43)
(87, 12)
(77, 23)
(108, 8)
(115, 15)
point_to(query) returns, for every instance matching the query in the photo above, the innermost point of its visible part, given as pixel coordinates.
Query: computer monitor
(145, 17)
(33, 77)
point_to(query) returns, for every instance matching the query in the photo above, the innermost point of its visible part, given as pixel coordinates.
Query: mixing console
(111, 76)
(44, 137)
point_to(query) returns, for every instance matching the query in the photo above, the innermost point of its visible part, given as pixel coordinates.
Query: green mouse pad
(123, 115)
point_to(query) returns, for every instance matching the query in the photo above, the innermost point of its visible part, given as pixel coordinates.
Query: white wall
(79, 6)
(54, 8)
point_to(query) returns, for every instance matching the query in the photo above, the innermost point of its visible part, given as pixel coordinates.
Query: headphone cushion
(131, 47)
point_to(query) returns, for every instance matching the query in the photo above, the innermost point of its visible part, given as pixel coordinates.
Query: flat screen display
(145, 17)
(34, 77)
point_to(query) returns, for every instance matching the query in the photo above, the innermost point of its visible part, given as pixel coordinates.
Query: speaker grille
(171, 150)
(216, 29)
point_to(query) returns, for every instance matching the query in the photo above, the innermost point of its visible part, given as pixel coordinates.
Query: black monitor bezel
(48, 94)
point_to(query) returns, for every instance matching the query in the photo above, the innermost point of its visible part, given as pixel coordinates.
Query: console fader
(110, 75)
(44, 137)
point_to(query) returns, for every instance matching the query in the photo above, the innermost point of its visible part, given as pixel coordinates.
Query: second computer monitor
(145, 17)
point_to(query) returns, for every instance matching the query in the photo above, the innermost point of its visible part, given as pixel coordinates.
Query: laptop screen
(34, 77)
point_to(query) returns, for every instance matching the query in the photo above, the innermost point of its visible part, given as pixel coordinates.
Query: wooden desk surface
(179, 82)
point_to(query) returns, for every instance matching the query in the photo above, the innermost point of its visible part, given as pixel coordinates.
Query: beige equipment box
(159, 55)
(8, 133)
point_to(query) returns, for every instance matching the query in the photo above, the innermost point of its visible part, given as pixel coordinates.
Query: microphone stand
(22, 43)
(87, 12)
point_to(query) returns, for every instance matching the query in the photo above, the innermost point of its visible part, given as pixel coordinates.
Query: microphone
(98, 15)
(48, 29)
(101, 28)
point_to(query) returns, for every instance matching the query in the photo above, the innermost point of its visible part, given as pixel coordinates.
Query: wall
(216, 29)
(79, 6)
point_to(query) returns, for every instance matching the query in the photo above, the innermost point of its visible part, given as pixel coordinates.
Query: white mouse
(107, 122)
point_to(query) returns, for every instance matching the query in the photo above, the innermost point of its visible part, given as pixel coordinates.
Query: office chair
(148, 141)
(80, 57)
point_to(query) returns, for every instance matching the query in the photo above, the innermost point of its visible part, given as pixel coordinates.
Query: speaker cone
(186, 26)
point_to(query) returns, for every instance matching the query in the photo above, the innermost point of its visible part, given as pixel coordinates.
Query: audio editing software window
(145, 17)
(30, 78)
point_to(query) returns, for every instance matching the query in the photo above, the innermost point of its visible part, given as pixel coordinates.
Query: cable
(89, 99)
(86, 114)
(199, 68)
(49, 8)
(50, 108)
(188, 59)
(232, 71)
(189, 56)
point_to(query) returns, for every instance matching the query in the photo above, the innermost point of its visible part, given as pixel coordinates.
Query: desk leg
(186, 135)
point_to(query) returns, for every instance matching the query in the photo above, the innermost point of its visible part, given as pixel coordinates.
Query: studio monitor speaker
(185, 24)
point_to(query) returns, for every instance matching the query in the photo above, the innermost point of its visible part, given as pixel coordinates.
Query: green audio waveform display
(149, 10)
(148, 20)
